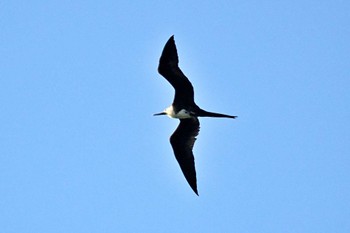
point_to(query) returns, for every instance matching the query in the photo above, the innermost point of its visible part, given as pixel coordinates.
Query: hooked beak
(159, 114)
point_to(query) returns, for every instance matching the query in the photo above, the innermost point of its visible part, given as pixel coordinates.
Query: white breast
(182, 114)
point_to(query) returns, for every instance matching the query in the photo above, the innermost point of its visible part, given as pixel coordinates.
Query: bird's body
(185, 109)
(174, 113)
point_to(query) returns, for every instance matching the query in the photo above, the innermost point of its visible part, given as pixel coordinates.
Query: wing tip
(169, 57)
(196, 192)
(193, 186)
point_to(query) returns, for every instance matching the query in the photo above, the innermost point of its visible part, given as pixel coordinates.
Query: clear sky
(81, 152)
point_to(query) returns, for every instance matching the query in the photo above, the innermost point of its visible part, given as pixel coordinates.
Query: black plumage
(184, 108)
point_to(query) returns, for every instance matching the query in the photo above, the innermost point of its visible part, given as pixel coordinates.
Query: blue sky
(81, 152)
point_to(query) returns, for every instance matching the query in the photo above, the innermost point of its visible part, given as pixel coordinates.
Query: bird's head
(168, 111)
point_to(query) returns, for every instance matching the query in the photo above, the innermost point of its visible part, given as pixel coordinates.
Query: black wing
(182, 142)
(169, 69)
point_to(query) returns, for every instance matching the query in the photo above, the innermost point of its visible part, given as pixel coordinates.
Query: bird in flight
(185, 109)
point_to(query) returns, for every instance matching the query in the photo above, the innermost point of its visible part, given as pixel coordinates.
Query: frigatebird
(185, 109)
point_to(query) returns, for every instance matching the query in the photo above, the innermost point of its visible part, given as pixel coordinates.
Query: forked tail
(203, 113)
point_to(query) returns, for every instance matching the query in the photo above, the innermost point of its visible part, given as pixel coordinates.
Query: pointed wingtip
(193, 185)
(172, 39)
(169, 58)
(194, 188)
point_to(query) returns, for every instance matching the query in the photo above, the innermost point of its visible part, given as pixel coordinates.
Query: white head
(169, 111)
